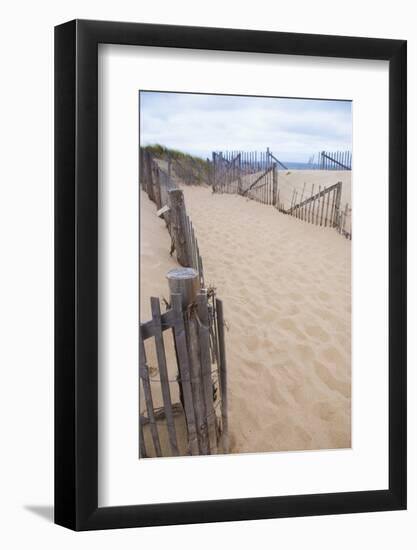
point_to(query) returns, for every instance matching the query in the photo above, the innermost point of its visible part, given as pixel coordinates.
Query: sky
(293, 129)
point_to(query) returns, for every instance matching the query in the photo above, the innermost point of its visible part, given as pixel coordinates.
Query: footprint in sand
(292, 310)
(271, 315)
(324, 296)
(318, 333)
(304, 352)
(342, 339)
(295, 297)
(291, 326)
(252, 342)
(304, 436)
(274, 392)
(331, 381)
(324, 410)
(336, 323)
(340, 439)
(333, 355)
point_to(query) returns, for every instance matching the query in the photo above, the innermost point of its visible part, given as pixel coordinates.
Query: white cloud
(200, 124)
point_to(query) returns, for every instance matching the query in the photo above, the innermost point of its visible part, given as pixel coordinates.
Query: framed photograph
(230, 254)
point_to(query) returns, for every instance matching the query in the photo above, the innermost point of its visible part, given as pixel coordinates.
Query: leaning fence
(334, 160)
(324, 209)
(197, 424)
(169, 199)
(264, 188)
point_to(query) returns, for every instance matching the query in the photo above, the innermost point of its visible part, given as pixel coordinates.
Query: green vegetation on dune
(187, 167)
(160, 151)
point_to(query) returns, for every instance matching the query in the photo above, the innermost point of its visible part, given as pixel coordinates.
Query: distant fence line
(334, 160)
(256, 176)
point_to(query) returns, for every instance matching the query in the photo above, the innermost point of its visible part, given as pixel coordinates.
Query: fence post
(205, 357)
(345, 213)
(274, 184)
(213, 172)
(149, 186)
(141, 168)
(178, 229)
(185, 282)
(239, 175)
(222, 375)
(156, 186)
(144, 375)
(336, 219)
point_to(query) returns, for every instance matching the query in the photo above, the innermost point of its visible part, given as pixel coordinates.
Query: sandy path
(286, 291)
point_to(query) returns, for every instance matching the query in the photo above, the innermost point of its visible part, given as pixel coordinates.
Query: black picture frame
(76, 272)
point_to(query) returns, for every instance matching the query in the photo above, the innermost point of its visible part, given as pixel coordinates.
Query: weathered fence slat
(331, 221)
(314, 209)
(163, 373)
(327, 210)
(202, 311)
(258, 179)
(345, 213)
(142, 447)
(310, 204)
(223, 375)
(185, 372)
(156, 186)
(196, 383)
(144, 375)
(178, 227)
(333, 160)
(316, 196)
(337, 205)
(322, 207)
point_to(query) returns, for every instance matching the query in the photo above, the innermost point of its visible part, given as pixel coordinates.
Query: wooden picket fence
(334, 160)
(193, 327)
(246, 173)
(163, 191)
(197, 334)
(256, 176)
(324, 209)
(264, 188)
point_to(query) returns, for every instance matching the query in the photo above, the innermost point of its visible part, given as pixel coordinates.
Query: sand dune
(285, 286)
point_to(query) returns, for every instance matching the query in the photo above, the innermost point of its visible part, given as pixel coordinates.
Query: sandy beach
(286, 289)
